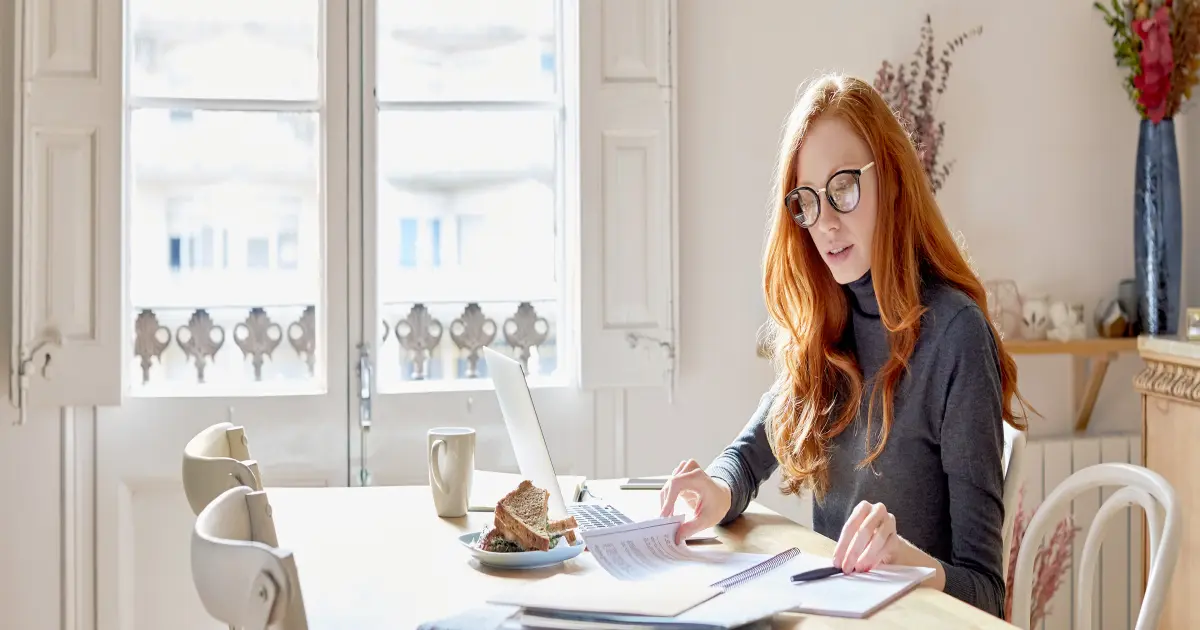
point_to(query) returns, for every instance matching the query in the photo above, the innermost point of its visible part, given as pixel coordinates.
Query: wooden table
(380, 557)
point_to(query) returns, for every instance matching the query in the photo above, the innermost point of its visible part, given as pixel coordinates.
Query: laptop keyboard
(595, 516)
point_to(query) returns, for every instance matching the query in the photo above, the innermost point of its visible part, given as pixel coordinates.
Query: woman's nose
(828, 222)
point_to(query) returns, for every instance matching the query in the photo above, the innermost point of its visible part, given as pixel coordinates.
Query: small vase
(1158, 228)
(1035, 317)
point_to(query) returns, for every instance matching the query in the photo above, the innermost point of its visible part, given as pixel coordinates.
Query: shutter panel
(627, 189)
(67, 218)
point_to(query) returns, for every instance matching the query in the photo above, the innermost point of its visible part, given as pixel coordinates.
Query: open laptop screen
(524, 429)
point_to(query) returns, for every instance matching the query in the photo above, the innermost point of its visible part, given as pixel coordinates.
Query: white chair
(242, 580)
(1014, 475)
(1140, 486)
(216, 459)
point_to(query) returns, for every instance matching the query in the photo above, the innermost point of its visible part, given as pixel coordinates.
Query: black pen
(816, 574)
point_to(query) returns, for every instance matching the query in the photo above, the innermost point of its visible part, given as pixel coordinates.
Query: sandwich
(522, 523)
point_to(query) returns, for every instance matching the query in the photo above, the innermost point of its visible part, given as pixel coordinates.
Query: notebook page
(856, 595)
(647, 550)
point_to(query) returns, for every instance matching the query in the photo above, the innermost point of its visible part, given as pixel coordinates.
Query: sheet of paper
(647, 550)
(602, 594)
(857, 595)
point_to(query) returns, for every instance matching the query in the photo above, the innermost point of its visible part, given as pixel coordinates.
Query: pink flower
(1157, 58)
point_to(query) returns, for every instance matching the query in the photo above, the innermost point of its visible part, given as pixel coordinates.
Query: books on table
(651, 580)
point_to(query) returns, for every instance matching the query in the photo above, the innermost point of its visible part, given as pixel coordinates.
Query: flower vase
(1158, 228)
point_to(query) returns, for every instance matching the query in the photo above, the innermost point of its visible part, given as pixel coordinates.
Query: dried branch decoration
(1050, 563)
(912, 91)
(1158, 45)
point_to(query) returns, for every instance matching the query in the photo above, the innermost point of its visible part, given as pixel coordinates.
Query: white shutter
(67, 218)
(627, 189)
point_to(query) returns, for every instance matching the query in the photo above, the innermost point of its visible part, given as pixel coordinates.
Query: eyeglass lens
(842, 191)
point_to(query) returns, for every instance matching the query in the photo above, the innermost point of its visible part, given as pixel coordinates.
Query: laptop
(533, 455)
(529, 445)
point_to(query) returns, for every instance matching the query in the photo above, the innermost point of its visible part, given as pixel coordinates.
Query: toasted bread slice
(521, 516)
(561, 526)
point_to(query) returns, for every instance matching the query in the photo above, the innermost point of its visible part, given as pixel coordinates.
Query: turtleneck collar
(862, 295)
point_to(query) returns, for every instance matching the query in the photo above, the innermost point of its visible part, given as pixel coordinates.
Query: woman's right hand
(708, 498)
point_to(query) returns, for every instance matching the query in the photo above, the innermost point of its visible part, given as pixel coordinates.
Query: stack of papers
(694, 588)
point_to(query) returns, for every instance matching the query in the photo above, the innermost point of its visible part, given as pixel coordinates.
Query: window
(224, 158)
(471, 122)
(529, 141)
(258, 253)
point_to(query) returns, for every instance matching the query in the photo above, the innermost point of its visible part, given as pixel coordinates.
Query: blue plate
(522, 559)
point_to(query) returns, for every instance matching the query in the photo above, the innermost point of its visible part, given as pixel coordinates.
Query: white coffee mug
(451, 469)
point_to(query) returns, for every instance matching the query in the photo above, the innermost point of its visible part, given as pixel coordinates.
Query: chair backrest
(242, 580)
(1014, 475)
(1139, 486)
(216, 459)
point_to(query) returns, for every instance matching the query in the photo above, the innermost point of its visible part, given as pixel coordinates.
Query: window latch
(365, 373)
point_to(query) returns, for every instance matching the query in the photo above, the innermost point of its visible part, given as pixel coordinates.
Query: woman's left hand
(868, 539)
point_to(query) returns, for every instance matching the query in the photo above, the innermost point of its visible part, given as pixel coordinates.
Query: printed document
(647, 549)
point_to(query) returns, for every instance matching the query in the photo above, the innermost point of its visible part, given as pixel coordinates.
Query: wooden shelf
(1089, 363)
(1096, 346)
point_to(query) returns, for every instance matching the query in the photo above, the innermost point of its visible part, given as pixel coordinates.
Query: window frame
(566, 208)
(69, 101)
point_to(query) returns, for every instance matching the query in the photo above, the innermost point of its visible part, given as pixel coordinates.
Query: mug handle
(434, 467)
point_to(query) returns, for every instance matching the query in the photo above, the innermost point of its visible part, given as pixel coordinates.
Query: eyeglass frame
(823, 192)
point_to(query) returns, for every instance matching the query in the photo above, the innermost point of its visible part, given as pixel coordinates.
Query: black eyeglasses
(842, 191)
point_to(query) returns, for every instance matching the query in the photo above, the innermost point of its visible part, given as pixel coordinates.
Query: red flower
(1156, 58)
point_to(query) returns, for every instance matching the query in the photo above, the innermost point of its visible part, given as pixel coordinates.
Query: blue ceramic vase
(1158, 229)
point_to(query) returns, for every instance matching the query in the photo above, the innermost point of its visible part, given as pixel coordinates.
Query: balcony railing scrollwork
(420, 332)
(187, 347)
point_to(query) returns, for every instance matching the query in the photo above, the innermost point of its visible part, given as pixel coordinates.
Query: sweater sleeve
(747, 461)
(972, 443)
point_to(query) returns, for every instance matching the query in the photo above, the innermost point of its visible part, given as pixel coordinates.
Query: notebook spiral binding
(737, 579)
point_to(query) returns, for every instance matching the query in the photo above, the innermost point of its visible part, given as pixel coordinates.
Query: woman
(892, 385)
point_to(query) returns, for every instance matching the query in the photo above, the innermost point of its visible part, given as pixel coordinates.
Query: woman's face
(830, 148)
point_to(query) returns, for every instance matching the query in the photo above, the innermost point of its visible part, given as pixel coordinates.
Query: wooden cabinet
(1169, 386)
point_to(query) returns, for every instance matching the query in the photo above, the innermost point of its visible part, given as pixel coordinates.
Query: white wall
(1043, 189)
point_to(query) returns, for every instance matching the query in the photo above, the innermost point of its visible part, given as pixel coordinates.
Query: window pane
(243, 49)
(468, 202)
(454, 150)
(467, 50)
(224, 248)
(472, 197)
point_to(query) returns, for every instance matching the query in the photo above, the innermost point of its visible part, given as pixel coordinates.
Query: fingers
(875, 552)
(866, 524)
(684, 466)
(687, 528)
(691, 480)
(848, 530)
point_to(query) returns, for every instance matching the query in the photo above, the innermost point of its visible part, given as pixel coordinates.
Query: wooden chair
(242, 579)
(1140, 486)
(216, 459)
(1014, 475)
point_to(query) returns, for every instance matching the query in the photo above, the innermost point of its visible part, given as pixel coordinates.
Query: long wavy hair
(819, 384)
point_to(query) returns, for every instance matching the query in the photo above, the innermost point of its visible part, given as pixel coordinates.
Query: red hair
(808, 308)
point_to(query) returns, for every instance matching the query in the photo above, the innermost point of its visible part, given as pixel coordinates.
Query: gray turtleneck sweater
(940, 473)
